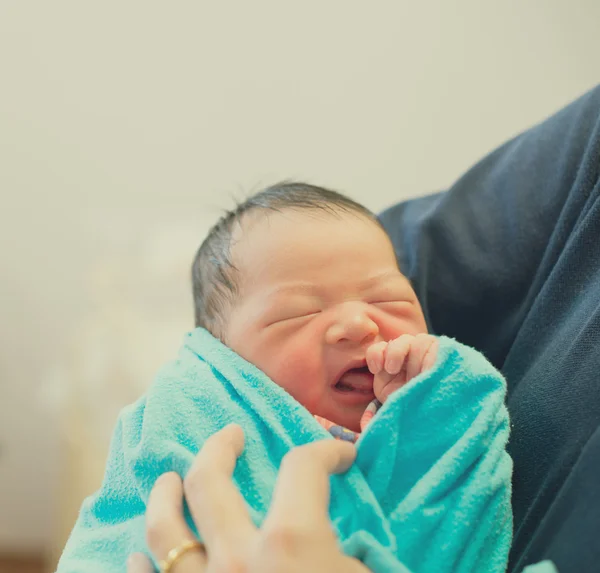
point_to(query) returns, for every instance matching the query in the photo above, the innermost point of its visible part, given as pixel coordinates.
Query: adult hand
(296, 535)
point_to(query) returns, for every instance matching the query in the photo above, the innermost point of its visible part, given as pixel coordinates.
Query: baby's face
(315, 292)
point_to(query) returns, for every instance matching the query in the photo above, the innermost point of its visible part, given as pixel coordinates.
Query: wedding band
(178, 552)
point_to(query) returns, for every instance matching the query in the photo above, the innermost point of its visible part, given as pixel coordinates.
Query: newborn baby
(303, 314)
(303, 283)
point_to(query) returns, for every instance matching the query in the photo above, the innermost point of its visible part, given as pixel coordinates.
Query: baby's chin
(347, 417)
(353, 425)
(348, 409)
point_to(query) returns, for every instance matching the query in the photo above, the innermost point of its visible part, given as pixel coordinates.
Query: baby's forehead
(294, 245)
(289, 237)
(291, 228)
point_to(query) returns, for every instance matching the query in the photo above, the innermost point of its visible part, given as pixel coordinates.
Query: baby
(303, 283)
(298, 289)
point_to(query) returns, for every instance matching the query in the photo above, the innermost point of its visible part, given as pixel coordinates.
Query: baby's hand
(398, 361)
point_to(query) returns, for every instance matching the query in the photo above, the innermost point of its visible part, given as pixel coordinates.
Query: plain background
(126, 126)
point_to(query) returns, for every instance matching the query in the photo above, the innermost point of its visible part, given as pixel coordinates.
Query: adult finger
(301, 496)
(139, 563)
(352, 565)
(166, 528)
(218, 508)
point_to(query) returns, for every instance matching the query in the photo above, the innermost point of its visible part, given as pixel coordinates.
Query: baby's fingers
(422, 355)
(376, 356)
(396, 353)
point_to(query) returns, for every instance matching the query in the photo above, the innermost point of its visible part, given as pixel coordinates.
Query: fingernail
(371, 366)
(133, 560)
(166, 477)
(393, 366)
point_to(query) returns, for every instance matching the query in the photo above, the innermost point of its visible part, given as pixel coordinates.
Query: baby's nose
(354, 325)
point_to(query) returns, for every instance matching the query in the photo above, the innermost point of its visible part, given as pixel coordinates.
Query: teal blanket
(429, 491)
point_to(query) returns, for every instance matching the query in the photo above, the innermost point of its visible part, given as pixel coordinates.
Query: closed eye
(392, 305)
(293, 318)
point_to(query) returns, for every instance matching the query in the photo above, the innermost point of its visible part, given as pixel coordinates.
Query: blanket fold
(429, 491)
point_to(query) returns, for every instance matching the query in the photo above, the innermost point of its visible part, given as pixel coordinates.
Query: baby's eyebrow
(301, 288)
(381, 279)
(315, 290)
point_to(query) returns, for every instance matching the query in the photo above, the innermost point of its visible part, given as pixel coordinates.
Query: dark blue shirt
(508, 261)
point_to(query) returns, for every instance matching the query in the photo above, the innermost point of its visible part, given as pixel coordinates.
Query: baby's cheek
(300, 376)
(394, 327)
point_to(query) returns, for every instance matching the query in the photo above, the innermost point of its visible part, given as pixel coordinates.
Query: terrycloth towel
(429, 491)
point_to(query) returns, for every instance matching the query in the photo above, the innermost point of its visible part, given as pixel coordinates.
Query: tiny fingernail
(372, 366)
(133, 559)
(393, 367)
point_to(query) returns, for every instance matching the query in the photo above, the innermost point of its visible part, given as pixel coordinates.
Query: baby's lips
(358, 378)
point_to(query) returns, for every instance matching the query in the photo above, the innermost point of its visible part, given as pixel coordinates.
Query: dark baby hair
(213, 273)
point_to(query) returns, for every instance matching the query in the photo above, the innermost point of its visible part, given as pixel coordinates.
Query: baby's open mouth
(358, 380)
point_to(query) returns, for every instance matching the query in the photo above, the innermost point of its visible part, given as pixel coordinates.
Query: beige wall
(125, 125)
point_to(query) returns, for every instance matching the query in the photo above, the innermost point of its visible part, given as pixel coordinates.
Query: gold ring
(178, 552)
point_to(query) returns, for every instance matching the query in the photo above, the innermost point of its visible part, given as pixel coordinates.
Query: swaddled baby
(298, 289)
(303, 282)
